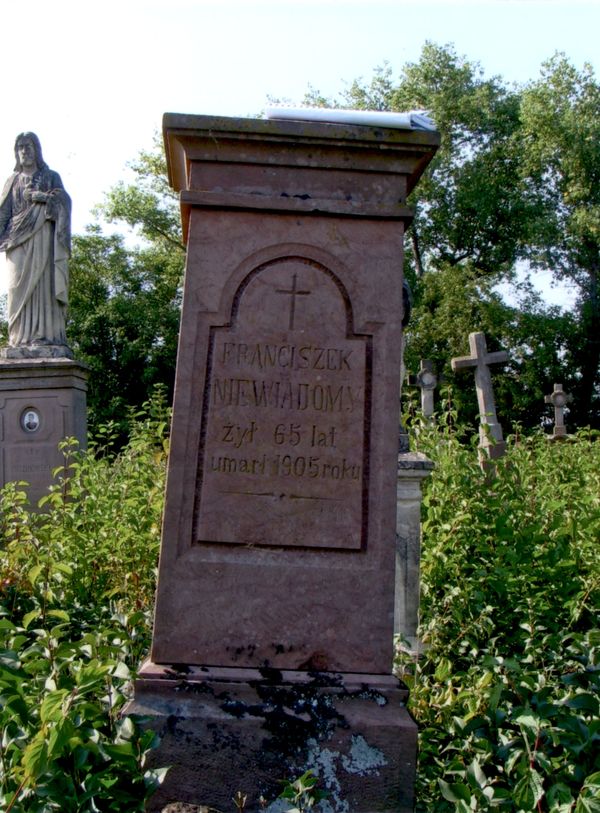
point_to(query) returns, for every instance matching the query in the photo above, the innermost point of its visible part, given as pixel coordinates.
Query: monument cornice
(277, 165)
(323, 206)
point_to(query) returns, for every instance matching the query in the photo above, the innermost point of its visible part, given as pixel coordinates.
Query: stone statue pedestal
(41, 351)
(42, 402)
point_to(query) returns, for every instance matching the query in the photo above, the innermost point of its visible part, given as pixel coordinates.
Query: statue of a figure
(35, 233)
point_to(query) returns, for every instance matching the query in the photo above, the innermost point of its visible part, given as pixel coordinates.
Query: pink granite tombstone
(278, 539)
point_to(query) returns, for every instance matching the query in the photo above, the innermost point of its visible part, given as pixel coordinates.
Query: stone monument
(491, 441)
(272, 647)
(42, 389)
(426, 380)
(559, 400)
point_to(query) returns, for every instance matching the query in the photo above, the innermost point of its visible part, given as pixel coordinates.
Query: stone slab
(278, 537)
(353, 731)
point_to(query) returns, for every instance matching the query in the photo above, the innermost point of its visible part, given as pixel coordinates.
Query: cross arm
(462, 362)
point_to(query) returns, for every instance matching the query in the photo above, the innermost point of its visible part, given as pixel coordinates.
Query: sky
(94, 79)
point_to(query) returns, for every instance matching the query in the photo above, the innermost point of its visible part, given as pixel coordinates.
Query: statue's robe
(37, 240)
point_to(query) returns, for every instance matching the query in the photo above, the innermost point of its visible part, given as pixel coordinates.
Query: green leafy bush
(76, 591)
(507, 693)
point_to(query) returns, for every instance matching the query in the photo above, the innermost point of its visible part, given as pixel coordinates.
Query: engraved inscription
(284, 447)
(30, 462)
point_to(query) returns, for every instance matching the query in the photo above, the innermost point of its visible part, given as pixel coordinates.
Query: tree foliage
(561, 168)
(513, 187)
(125, 298)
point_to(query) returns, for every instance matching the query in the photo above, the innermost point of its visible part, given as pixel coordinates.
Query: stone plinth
(42, 401)
(252, 728)
(413, 467)
(278, 539)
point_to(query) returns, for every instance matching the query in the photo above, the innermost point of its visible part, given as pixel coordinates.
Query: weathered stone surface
(42, 401)
(275, 606)
(559, 400)
(490, 430)
(253, 728)
(281, 499)
(413, 467)
(181, 807)
(284, 451)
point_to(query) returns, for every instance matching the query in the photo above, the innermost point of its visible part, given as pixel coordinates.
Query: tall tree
(469, 207)
(561, 168)
(513, 187)
(125, 293)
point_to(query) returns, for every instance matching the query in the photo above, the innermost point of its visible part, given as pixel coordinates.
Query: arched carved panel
(284, 446)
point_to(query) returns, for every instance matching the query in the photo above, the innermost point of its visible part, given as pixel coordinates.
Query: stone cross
(427, 381)
(490, 431)
(559, 399)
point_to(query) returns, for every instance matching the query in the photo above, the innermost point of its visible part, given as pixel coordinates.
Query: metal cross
(293, 292)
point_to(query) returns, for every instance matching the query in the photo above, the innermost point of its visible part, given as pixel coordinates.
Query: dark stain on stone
(171, 723)
(270, 674)
(317, 662)
(195, 687)
(319, 678)
(175, 669)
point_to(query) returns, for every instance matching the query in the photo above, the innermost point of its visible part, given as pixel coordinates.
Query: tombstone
(413, 468)
(559, 400)
(426, 380)
(42, 389)
(490, 432)
(273, 638)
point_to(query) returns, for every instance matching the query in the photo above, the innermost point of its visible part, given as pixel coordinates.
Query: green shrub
(507, 693)
(76, 592)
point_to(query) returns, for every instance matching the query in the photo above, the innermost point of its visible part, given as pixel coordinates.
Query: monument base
(37, 351)
(42, 402)
(225, 730)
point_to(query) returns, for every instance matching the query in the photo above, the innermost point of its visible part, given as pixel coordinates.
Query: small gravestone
(426, 380)
(273, 638)
(42, 389)
(559, 400)
(491, 441)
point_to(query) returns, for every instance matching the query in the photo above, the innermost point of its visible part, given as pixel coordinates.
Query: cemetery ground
(506, 693)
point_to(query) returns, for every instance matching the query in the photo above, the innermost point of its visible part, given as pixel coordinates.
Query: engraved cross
(293, 293)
